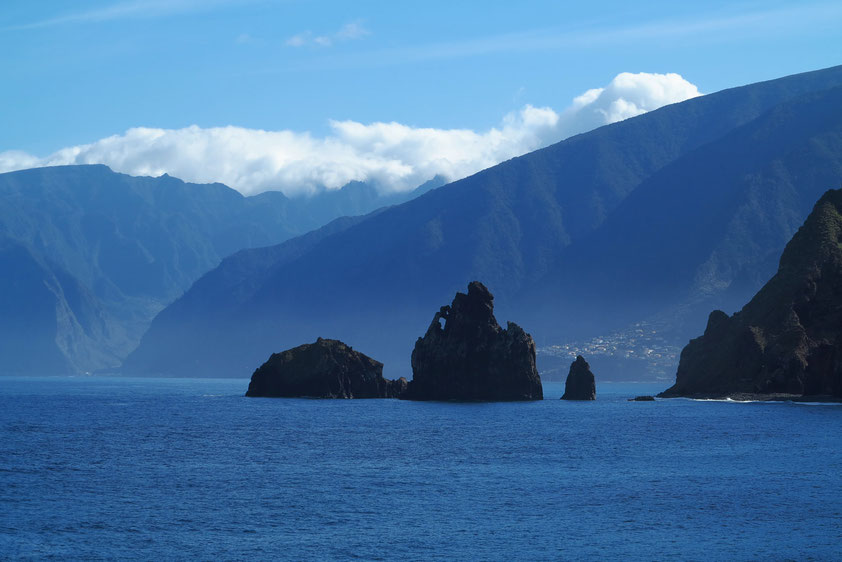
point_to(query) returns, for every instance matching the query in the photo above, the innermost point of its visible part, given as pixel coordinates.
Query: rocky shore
(786, 343)
(324, 369)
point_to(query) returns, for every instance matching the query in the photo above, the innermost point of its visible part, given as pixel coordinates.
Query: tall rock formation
(324, 369)
(788, 339)
(466, 355)
(580, 384)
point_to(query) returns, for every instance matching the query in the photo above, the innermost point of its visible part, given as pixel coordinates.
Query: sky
(305, 95)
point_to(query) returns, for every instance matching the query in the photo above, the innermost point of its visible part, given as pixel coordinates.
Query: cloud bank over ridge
(393, 156)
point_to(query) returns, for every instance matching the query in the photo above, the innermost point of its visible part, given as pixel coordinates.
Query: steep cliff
(787, 340)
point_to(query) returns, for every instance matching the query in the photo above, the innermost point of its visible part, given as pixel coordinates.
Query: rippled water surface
(189, 468)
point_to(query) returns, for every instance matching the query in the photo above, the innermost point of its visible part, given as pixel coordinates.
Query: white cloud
(392, 155)
(348, 32)
(628, 95)
(18, 160)
(352, 30)
(300, 39)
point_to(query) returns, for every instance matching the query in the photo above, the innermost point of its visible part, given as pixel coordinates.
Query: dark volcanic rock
(788, 339)
(325, 369)
(580, 383)
(466, 355)
(642, 399)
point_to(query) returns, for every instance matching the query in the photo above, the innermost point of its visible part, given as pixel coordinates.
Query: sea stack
(787, 341)
(324, 369)
(580, 384)
(466, 356)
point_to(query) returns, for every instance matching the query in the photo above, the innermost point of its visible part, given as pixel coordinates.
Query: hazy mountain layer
(661, 200)
(90, 256)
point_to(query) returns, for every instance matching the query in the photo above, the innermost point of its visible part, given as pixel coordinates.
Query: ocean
(128, 468)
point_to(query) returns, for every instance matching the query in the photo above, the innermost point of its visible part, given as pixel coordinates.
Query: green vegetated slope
(660, 195)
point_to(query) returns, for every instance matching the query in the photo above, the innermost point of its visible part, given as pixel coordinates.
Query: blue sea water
(189, 468)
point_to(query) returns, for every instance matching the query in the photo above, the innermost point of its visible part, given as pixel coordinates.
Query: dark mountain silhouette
(787, 339)
(529, 226)
(90, 256)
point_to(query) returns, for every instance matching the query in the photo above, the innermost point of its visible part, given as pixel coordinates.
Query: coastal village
(642, 341)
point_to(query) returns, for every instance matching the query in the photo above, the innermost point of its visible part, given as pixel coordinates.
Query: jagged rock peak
(580, 384)
(787, 341)
(466, 355)
(324, 369)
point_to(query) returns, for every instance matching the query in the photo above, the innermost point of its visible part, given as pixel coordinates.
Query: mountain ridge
(506, 225)
(749, 195)
(111, 250)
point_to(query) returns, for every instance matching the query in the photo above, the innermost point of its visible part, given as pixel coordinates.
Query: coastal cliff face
(788, 339)
(580, 384)
(466, 355)
(324, 369)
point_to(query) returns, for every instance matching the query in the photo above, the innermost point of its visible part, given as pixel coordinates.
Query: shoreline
(760, 397)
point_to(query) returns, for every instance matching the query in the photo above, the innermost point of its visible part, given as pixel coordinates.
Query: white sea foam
(733, 401)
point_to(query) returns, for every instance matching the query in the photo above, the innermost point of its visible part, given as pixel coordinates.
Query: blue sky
(76, 72)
